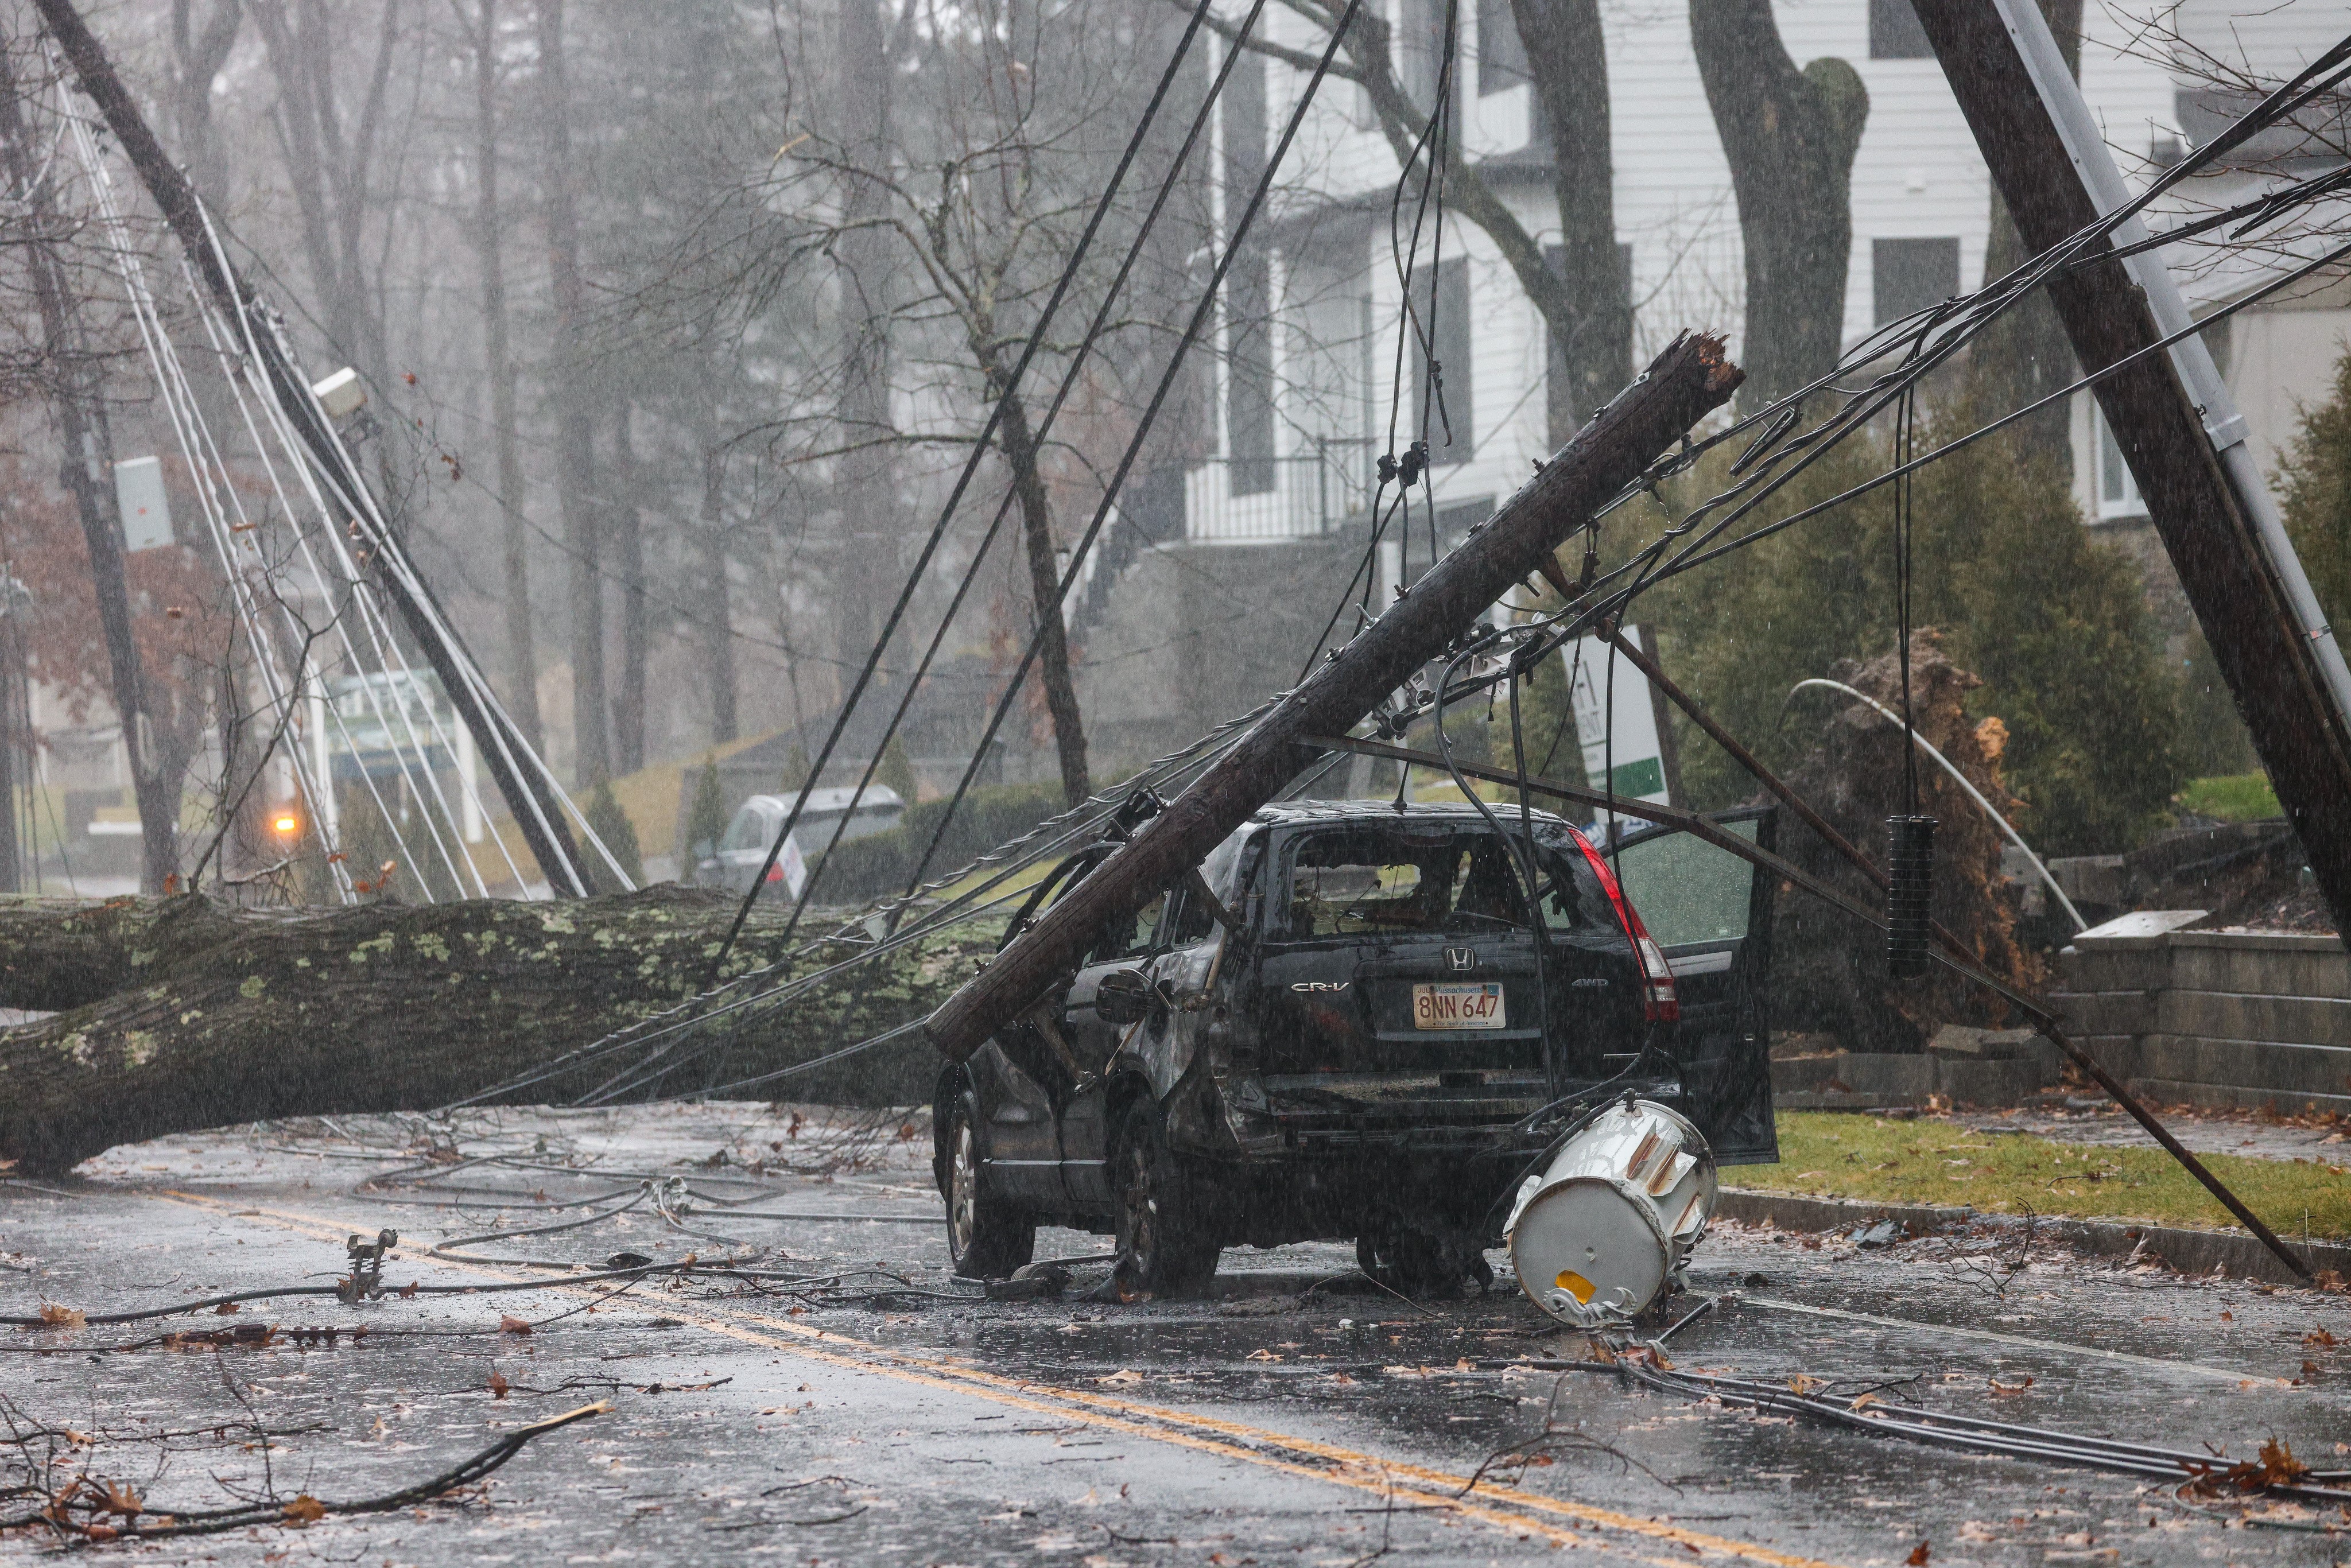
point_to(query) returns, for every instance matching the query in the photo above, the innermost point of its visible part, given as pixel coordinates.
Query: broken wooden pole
(1684, 383)
(2170, 414)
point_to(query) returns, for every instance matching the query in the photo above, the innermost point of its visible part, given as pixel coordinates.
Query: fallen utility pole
(500, 745)
(1952, 953)
(2172, 416)
(1684, 383)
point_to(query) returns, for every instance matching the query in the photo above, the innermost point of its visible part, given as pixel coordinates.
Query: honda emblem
(1460, 960)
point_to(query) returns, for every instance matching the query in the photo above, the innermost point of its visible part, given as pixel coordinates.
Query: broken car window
(1454, 879)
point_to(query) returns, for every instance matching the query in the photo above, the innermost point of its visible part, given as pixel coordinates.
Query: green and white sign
(1617, 720)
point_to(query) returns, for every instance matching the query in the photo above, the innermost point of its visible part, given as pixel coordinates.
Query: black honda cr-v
(1348, 1026)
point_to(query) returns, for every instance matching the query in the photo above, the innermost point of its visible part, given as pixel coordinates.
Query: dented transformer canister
(1602, 1234)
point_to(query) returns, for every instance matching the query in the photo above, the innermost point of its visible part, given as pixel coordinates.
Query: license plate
(1440, 1006)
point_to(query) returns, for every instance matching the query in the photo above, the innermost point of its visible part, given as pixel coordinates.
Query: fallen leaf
(224, 1310)
(2000, 1388)
(514, 1325)
(305, 1509)
(2227, 1317)
(120, 1498)
(1919, 1556)
(407, 1289)
(1266, 1356)
(58, 1317)
(1866, 1399)
(2320, 1338)
(1121, 1378)
(1802, 1385)
(498, 1386)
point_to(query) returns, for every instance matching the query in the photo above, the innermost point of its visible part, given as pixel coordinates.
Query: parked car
(744, 848)
(1374, 1049)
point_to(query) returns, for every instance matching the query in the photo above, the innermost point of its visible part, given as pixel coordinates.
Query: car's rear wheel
(987, 1238)
(1164, 1247)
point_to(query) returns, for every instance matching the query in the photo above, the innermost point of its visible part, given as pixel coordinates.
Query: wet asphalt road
(1271, 1424)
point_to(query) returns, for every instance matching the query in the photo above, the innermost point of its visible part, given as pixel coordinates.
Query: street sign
(1618, 732)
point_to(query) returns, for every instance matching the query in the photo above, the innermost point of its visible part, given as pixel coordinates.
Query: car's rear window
(1452, 878)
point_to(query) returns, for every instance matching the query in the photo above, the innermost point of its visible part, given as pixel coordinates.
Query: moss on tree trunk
(175, 1014)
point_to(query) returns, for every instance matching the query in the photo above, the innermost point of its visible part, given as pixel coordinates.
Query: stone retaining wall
(2217, 1018)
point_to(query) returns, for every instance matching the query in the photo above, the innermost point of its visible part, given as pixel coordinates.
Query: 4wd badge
(1460, 960)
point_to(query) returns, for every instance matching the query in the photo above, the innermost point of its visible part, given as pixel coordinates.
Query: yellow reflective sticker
(1576, 1285)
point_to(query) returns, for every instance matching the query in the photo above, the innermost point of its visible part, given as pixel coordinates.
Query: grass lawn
(2237, 797)
(1825, 1154)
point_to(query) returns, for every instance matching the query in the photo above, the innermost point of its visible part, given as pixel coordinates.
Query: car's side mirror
(1125, 997)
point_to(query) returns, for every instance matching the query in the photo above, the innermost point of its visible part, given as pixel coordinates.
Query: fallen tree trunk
(176, 1014)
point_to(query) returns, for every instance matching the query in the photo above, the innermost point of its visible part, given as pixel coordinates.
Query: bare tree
(488, 229)
(1586, 299)
(337, 177)
(1790, 136)
(574, 413)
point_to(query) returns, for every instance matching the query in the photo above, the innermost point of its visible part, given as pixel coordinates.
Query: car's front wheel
(1164, 1247)
(987, 1238)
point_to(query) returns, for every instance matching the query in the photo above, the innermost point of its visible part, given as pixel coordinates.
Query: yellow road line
(1494, 1505)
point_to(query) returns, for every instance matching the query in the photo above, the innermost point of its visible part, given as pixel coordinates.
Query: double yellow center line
(1559, 1520)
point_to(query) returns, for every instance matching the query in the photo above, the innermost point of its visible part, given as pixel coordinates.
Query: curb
(2227, 1252)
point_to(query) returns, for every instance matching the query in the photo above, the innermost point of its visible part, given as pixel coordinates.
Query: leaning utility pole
(1684, 384)
(536, 810)
(2172, 416)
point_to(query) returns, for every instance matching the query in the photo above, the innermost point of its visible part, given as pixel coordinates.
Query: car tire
(987, 1238)
(1163, 1249)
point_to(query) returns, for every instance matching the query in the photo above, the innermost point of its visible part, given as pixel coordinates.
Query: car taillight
(1659, 1002)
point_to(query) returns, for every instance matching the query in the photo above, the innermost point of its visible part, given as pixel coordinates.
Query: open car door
(1711, 912)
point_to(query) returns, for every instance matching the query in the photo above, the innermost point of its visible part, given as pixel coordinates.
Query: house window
(2119, 494)
(1440, 303)
(1501, 53)
(1895, 33)
(1421, 57)
(1908, 276)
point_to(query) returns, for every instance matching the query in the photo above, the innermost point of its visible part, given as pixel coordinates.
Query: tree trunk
(866, 562)
(1045, 589)
(175, 1014)
(717, 635)
(1790, 136)
(198, 54)
(1593, 345)
(489, 247)
(87, 474)
(629, 546)
(2023, 356)
(574, 430)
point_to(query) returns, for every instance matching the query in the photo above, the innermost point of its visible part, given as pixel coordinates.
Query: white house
(1249, 550)
(1294, 453)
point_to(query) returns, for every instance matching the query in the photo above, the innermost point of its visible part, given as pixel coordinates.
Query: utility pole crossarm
(2170, 414)
(1684, 383)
